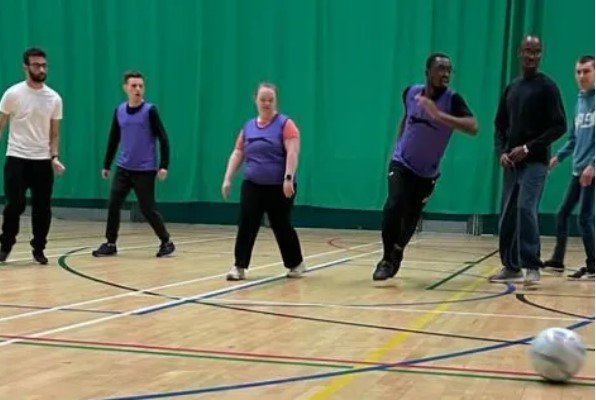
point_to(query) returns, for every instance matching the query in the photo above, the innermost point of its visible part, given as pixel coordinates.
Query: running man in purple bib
(433, 112)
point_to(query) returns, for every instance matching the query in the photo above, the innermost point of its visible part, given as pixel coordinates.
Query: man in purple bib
(433, 111)
(137, 127)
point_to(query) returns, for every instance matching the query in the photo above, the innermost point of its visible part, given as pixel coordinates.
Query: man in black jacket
(530, 117)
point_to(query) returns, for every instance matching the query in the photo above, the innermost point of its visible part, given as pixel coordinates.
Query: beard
(39, 77)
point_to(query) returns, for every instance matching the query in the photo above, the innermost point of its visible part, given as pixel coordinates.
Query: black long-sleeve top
(530, 113)
(157, 128)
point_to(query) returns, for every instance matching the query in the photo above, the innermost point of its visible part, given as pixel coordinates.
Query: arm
(3, 121)
(291, 136)
(557, 122)
(164, 143)
(402, 123)
(502, 124)
(113, 142)
(461, 118)
(6, 107)
(55, 129)
(567, 149)
(235, 159)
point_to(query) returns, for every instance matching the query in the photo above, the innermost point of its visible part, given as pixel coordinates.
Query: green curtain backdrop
(341, 67)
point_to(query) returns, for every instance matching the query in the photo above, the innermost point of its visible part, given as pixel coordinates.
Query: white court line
(265, 303)
(11, 260)
(131, 293)
(186, 299)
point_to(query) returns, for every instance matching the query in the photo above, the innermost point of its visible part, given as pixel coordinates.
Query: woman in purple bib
(268, 145)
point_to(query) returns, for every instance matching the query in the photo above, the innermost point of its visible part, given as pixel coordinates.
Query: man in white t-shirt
(34, 111)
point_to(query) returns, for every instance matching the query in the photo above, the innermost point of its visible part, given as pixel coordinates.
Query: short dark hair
(132, 74)
(586, 58)
(33, 52)
(431, 59)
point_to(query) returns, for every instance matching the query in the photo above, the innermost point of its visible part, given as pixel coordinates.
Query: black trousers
(255, 200)
(585, 220)
(143, 184)
(406, 198)
(19, 175)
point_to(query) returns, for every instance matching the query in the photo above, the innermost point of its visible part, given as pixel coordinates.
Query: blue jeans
(519, 233)
(585, 221)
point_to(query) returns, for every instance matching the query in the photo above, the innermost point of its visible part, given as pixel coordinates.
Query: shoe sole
(507, 280)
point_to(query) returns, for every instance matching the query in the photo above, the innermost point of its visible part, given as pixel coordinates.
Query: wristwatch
(54, 156)
(288, 177)
(526, 149)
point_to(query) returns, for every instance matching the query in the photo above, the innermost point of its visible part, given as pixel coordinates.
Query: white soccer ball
(557, 354)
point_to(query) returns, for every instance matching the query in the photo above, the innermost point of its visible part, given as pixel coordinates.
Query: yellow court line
(418, 324)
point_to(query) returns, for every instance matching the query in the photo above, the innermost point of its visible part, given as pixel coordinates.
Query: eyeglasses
(39, 65)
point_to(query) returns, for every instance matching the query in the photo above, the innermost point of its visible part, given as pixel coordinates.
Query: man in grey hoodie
(581, 186)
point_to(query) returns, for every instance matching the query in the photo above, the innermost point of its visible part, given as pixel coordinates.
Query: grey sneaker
(532, 277)
(507, 275)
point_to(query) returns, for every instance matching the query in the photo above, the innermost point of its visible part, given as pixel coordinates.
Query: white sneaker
(297, 271)
(236, 274)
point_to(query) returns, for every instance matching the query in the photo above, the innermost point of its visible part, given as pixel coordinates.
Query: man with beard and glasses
(34, 111)
(530, 117)
(433, 112)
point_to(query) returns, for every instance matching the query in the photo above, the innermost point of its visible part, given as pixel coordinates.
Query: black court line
(370, 326)
(524, 299)
(65, 266)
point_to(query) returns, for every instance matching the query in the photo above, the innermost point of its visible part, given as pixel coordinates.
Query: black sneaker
(383, 271)
(581, 274)
(165, 249)
(39, 256)
(105, 250)
(396, 258)
(4, 255)
(553, 266)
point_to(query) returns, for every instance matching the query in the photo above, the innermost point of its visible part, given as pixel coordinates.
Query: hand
(428, 105)
(506, 161)
(289, 188)
(226, 188)
(517, 154)
(105, 173)
(162, 174)
(553, 162)
(587, 176)
(59, 168)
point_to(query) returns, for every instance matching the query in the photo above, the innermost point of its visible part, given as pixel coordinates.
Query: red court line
(273, 356)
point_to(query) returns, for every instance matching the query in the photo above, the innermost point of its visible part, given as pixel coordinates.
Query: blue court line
(176, 303)
(301, 378)
(84, 310)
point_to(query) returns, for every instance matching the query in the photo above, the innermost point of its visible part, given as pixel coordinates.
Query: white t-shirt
(30, 113)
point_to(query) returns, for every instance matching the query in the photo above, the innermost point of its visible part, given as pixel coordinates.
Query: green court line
(461, 270)
(292, 363)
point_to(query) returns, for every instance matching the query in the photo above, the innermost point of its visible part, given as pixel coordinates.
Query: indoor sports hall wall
(341, 67)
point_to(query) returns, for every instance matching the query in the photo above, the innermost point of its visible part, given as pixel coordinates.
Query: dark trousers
(407, 195)
(143, 184)
(37, 176)
(255, 200)
(519, 233)
(585, 221)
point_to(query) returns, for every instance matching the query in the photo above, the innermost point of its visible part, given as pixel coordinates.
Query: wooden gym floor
(138, 327)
